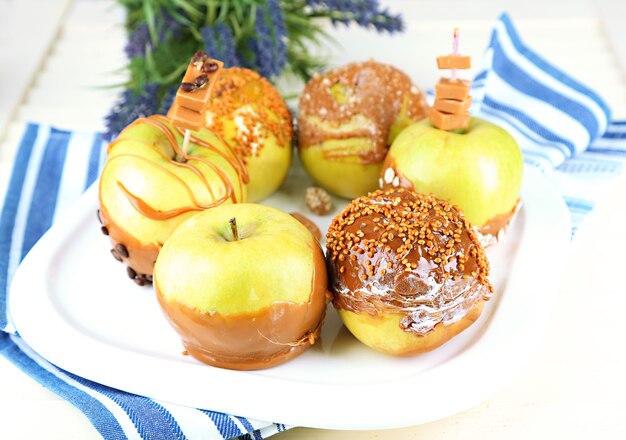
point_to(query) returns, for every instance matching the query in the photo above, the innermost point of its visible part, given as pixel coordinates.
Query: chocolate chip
(188, 87)
(116, 255)
(131, 273)
(140, 281)
(104, 230)
(199, 56)
(210, 67)
(121, 249)
(201, 80)
(99, 218)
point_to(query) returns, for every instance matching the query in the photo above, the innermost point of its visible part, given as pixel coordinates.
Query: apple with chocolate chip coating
(249, 113)
(479, 169)
(348, 117)
(244, 285)
(149, 185)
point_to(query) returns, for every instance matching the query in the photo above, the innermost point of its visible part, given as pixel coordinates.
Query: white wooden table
(573, 388)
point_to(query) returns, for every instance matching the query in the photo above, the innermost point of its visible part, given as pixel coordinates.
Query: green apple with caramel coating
(244, 285)
(480, 169)
(149, 186)
(348, 118)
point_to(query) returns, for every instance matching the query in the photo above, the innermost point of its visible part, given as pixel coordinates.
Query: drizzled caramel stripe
(233, 160)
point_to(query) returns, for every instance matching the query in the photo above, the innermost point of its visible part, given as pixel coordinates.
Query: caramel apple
(348, 118)
(149, 186)
(244, 285)
(478, 169)
(467, 161)
(406, 270)
(249, 113)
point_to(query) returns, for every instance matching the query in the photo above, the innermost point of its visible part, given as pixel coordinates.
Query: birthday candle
(452, 101)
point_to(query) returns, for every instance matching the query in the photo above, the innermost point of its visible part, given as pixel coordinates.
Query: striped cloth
(52, 169)
(552, 116)
(562, 127)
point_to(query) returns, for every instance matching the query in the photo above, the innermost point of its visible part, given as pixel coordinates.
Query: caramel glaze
(142, 256)
(309, 224)
(499, 222)
(255, 340)
(491, 227)
(397, 251)
(374, 90)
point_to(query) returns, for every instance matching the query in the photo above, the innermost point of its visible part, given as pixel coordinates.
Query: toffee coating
(396, 251)
(370, 89)
(141, 256)
(488, 233)
(259, 339)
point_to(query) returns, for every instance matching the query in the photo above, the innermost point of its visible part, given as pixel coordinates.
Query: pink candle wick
(455, 49)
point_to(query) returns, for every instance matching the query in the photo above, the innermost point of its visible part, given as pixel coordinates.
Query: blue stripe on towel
(607, 151)
(7, 216)
(43, 202)
(94, 160)
(224, 424)
(528, 85)
(149, 418)
(251, 431)
(542, 64)
(529, 122)
(614, 135)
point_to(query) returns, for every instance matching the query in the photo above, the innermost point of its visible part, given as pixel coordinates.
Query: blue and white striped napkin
(52, 169)
(563, 128)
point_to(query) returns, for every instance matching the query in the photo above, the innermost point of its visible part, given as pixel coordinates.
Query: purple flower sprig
(131, 105)
(219, 43)
(267, 45)
(269, 36)
(365, 13)
(139, 39)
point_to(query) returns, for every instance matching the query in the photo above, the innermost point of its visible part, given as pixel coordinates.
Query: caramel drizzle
(233, 160)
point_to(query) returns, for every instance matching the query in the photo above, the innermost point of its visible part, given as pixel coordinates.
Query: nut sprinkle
(318, 200)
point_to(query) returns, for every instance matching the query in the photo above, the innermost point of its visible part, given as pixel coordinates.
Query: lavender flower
(268, 44)
(167, 100)
(365, 13)
(140, 41)
(280, 33)
(219, 43)
(130, 106)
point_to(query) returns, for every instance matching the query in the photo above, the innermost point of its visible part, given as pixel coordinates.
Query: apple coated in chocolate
(398, 252)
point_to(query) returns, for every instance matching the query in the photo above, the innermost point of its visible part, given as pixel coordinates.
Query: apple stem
(233, 228)
(186, 141)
